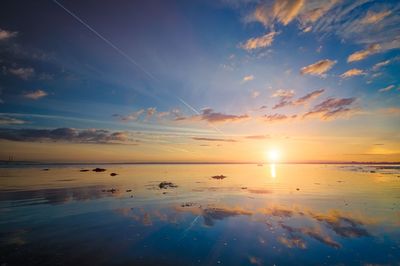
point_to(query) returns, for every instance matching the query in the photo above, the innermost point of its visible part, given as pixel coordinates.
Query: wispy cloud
(388, 88)
(332, 108)
(35, 95)
(247, 78)
(319, 68)
(287, 101)
(98, 136)
(287, 94)
(6, 120)
(283, 11)
(362, 54)
(23, 73)
(258, 137)
(255, 94)
(209, 115)
(374, 17)
(276, 117)
(214, 139)
(6, 35)
(352, 72)
(379, 65)
(259, 42)
(130, 117)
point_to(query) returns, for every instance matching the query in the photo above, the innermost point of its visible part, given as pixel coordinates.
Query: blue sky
(214, 68)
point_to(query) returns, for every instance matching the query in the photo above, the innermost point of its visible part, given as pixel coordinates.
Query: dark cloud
(64, 134)
(209, 115)
(258, 137)
(332, 108)
(214, 139)
(286, 101)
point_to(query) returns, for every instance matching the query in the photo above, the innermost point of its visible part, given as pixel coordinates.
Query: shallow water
(258, 215)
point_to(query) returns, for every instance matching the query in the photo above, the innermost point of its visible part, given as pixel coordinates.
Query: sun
(273, 155)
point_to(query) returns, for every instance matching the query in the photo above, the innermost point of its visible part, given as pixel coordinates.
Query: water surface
(258, 215)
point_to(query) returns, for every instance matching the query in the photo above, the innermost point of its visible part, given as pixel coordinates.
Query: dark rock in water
(45, 169)
(187, 204)
(218, 177)
(98, 169)
(113, 174)
(297, 189)
(129, 190)
(84, 170)
(165, 185)
(113, 190)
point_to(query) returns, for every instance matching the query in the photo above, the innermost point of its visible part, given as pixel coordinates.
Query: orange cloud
(259, 42)
(319, 68)
(360, 55)
(35, 95)
(375, 17)
(352, 72)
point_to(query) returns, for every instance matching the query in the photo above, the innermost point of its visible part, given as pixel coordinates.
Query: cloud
(35, 95)
(214, 139)
(287, 94)
(283, 11)
(209, 115)
(259, 42)
(352, 72)
(314, 10)
(332, 108)
(99, 136)
(375, 17)
(285, 100)
(377, 66)
(258, 137)
(309, 97)
(6, 35)
(151, 111)
(388, 88)
(6, 120)
(362, 54)
(319, 68)
(248, 78)
(23, 73)
(255, 94)
(276, 117)
(364, 22)
(131, 117)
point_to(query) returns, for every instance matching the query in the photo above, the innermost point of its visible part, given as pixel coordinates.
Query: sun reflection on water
(273, 170)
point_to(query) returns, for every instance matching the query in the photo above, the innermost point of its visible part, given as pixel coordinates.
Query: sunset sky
(200, 81)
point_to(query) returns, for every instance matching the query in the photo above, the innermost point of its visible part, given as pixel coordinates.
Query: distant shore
(33, 163)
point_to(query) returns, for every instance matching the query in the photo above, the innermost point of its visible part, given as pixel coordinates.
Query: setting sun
(273, 155)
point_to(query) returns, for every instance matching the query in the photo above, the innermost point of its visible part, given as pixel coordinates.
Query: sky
(200, 81)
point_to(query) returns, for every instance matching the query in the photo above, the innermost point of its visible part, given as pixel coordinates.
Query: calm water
(257, 215)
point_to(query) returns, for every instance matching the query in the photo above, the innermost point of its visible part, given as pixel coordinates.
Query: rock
(165, 185)
(297, 189)
(45, 169)
(129, 190)
(218, 177)
(98, 169)
(84, 170)
(113, 174)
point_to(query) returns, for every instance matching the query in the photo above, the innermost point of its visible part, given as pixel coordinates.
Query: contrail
(130, 59)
